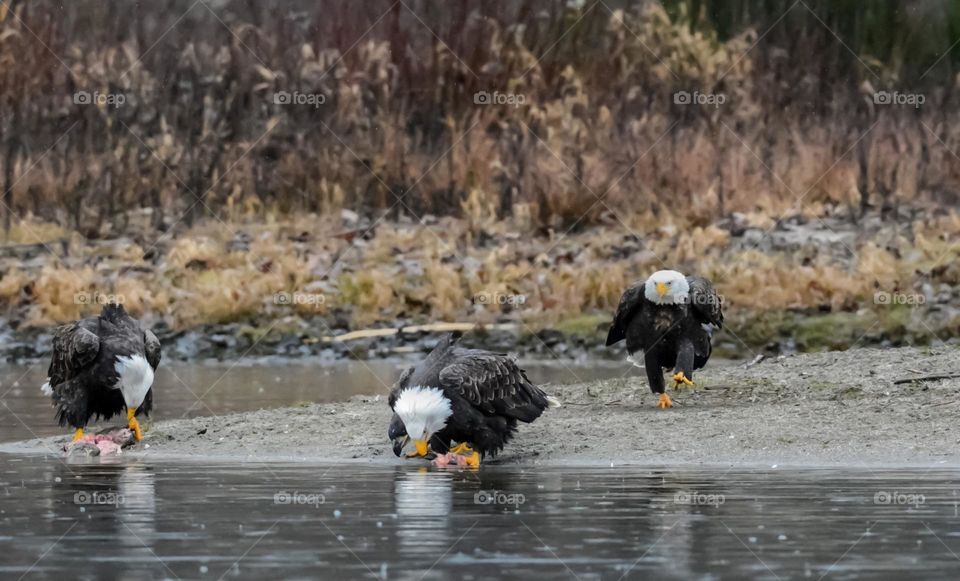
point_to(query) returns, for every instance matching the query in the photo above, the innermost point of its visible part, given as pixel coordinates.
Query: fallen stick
(598, 403)
(760, 357)
(926, 378)
(430, 328)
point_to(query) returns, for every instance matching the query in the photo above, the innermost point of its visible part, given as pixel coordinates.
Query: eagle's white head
(666, 287)
(424, 411)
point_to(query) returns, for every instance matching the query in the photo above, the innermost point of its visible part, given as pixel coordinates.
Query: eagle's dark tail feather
(70, 399)
(532, 408)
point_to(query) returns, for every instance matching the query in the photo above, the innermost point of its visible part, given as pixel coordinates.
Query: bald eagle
(670, 318)
(101, 366)
(469, 396)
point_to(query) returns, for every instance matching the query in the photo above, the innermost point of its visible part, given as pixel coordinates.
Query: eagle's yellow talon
(680, 379)
(462, 448)
(664, 402)
(78, 435)
(473, 460)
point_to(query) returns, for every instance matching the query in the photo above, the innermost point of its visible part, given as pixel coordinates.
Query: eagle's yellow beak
(133, 424)
(421, 446)
(661, 288)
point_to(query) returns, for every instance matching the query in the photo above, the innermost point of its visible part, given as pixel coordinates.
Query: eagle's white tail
(553, 402)
(46, 389)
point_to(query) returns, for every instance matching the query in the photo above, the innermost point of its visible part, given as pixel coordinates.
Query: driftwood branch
(760, 357)
(431, 328)
(926, 378)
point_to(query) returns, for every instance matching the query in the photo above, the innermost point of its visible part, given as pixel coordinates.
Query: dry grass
(419, 274)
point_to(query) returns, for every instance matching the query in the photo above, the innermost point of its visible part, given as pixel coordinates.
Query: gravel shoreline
(824, 409)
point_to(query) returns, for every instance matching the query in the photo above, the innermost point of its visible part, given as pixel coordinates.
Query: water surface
(139, 520)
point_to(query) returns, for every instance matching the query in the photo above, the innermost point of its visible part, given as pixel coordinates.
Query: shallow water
(188, 390)
(136, 520)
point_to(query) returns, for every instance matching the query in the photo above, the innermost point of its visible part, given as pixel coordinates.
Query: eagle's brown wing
(706, 303)
(151, 348)
(631, 301)
(74, 347)
(494, 383)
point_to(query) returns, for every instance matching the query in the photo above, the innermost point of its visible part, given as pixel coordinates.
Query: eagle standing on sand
(671, 318)
(470, 396)
(101, 366)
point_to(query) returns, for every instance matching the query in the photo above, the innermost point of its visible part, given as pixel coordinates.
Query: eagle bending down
(469, 396)
(100, 367)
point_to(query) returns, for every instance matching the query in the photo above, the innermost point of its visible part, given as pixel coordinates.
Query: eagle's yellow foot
(133, 424)
(462, 448)
(680, 379)
(664, 402)
(77, 435)
(473, 460)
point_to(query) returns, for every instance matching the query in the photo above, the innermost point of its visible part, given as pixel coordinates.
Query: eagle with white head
(470, 397)
(671, 318)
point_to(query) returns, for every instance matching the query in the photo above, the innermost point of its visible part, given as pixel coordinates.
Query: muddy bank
(828, 409)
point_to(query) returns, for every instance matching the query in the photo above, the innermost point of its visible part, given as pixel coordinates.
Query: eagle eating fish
(469, 396)
(100, 367)
(670, 318)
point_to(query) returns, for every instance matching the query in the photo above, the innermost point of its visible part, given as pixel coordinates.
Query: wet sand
(826, 409)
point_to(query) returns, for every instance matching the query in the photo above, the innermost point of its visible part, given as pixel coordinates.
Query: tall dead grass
(199, 134)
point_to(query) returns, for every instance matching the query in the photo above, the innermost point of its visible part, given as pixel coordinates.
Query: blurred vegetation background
(399, 80)
(200, 159)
